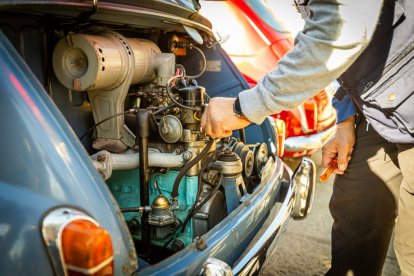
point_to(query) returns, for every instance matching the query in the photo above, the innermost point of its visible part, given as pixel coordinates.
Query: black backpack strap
(342, 90)
(303, 8)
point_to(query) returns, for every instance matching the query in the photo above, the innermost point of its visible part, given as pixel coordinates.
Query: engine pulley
(261, 155)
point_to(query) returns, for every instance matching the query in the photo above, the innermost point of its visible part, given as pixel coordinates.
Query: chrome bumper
(304, 178)
(296, 204)
(314, 141)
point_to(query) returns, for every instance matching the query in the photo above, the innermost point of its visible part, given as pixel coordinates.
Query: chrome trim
(52, 228)
(216, 267)
(93, 270)
(249, 259)
(313, 141)
(304, 179)
(95, 6)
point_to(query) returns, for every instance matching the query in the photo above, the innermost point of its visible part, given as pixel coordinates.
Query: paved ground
(305, 248)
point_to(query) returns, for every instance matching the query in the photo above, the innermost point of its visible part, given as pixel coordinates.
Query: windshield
(261, 7)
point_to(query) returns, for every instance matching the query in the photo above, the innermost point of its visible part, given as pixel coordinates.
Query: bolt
(101, 158)
(187, 155)
(200, 244)
(164, 130)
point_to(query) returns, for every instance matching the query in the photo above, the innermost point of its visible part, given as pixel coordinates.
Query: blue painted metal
(44, 166)
(124, 185)
(231, 189)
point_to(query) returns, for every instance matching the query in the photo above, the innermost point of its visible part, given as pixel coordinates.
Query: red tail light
(311, 113)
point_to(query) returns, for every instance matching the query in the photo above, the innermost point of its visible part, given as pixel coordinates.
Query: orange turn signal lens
(280, 136)
(87, 249)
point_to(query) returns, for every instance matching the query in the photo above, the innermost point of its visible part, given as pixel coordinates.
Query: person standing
(369, 46)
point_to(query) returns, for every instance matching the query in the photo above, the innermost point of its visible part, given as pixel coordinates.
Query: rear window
(261, 8)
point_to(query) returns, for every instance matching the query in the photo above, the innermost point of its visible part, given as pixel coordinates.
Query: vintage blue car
(104, 167)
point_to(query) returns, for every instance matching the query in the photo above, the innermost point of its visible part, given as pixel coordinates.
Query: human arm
(333, 37)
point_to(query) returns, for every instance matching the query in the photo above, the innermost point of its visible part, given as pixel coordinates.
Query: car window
(287, 13)
(261, 8)
(237, 28)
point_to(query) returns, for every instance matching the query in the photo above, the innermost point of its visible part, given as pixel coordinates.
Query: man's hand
(219, 120)
(340, 145)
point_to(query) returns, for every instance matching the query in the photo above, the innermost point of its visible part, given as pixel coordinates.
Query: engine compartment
(171, 181)
(128, 95)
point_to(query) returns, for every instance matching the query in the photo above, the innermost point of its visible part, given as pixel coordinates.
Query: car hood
(188, 4)
(191, 5)
(169, 12)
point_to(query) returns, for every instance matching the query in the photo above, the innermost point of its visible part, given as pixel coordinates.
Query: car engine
(172, 182)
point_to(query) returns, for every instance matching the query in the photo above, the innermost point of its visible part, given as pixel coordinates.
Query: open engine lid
(189, 5)
(165, 14)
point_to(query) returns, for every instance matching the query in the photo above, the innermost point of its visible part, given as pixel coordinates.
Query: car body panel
(42, 156)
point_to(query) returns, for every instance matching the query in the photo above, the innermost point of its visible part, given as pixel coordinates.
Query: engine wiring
(196, 118)
(129, 111)
(193, 211)
(182, 68)
(191, 46)
(209, 157)
(167, 88)
(203, 57)
(205, 200)
(188, 166)
(105, 120)
(195, 207)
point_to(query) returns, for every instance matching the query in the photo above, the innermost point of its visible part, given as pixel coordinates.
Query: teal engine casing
(123, 185)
